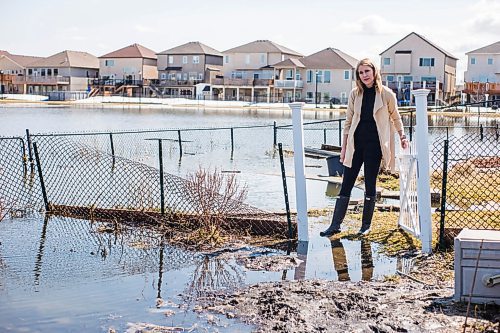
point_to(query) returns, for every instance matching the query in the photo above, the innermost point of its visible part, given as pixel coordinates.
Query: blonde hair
(376, 76)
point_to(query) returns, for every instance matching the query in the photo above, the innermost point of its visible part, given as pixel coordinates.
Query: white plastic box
(486, 288)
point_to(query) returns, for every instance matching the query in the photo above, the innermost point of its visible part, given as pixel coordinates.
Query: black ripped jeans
(366, 150)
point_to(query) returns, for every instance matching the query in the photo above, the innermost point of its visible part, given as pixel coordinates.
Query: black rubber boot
(366, 220)
(338, 216)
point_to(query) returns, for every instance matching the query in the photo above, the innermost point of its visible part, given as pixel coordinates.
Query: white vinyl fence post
(423, 170)
(300, 174)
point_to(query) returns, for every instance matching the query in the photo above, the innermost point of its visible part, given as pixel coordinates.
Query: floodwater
(64, 275)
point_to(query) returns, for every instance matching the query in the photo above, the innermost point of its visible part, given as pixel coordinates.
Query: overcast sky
(360, 28)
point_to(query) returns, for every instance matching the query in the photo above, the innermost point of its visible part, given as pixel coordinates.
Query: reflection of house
(183, 68)
(482, 77)
(64, 71)
(327, 74)
(414, 62)
(248, 70)
(11, 67)
(126, 71)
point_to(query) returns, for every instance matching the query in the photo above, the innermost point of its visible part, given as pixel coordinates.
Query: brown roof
(132, 51)
(329, 58)
(21, 60)
(192, 48)
(448, 54)
(492, 48)
(262, 46)
(289, 63)
(68, 59)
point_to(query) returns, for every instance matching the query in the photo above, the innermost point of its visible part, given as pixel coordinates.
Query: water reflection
(340, 260)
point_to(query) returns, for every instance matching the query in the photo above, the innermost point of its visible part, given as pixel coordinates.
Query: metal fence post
(112, 147)
(340, 132)
(180, 142)
(275, 135)
(411, 126)
(481, 132)
(162, 191)
(324, 136)
(443, 195)
(232, 140)
(23, 152)
(28, 137)
(285, 190)
(42, 183)
(496, 132)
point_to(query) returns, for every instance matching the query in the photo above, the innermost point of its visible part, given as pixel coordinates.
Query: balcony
(176, 83)
(41, 80)
(482, 88)
(288, 84)
(243, 82)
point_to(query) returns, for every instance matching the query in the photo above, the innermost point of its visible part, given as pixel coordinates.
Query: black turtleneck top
(367, 128)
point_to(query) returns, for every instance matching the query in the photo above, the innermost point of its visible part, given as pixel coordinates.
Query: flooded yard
(62, 274)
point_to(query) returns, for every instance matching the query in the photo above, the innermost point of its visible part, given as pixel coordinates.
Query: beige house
(321, 77)
(482, 77)
(13, 70)
(189, 70)
(64, 71)
(134, 63)
(248, 70)
(414, 62)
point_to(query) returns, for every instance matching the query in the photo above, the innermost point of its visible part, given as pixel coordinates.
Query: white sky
(360, 28)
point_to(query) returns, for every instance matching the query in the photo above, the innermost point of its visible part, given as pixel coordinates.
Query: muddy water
(67, 275)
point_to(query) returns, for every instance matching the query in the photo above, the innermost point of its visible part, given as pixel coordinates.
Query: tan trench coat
(387, 119)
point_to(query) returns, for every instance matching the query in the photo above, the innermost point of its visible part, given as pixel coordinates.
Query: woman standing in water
(372, 115)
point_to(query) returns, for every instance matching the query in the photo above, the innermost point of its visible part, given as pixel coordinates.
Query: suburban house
(127, 71)
(323, 77)
(188, 70)
(482, 77)
(62, 72)
(13, 71)
(414, 62)
(248, 72)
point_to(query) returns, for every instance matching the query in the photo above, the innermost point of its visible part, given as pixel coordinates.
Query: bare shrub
(215, 196)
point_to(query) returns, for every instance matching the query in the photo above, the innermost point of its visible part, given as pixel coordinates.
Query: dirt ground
(420, 301)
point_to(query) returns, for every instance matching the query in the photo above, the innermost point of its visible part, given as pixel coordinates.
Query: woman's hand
(342, 154)
(404, 141)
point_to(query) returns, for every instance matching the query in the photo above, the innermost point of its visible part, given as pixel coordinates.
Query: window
(298, 76)
(247, 59)
(347, 75)
(49, 72)
(426, 62)
(387, 61)
(170, 59)
(56, 71)
(200, 76)
(184, 59)
(109, 63)
(163, 76)
(390, 78)
(428, 78)
(472, 61)
(310, 95)
(227, 59)
(407, 78)
(30, 71)
(43, 72)
(185, 76)
(289, 74)
(327, 77)
(319, 76)
(263, 58)
(309, 75)
(196, 59)
(490, 61)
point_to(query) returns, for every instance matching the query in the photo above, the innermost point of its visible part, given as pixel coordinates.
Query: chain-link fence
(467, 175)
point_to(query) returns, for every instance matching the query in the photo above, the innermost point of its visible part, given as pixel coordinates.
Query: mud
(420, 301)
